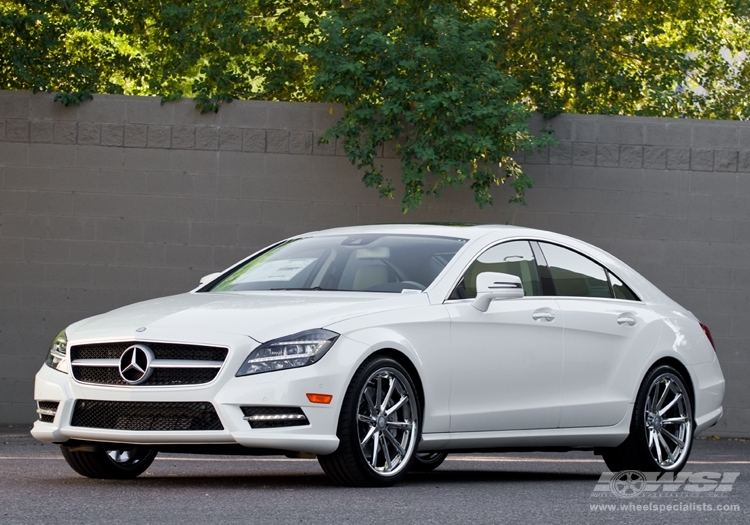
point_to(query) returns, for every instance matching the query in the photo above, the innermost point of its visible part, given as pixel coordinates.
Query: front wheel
(661, 431)
(124, 463)
(379, 427)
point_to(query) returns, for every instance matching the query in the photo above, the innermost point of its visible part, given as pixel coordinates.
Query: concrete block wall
(124, 199)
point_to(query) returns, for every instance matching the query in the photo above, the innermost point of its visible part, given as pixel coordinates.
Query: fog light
(47, 410)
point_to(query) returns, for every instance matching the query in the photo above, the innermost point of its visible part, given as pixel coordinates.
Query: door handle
(543, 316)
(627, 319)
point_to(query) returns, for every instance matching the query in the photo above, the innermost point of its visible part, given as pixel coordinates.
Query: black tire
(125, 463)
(382, 410)
(428, 461)
(661, 431)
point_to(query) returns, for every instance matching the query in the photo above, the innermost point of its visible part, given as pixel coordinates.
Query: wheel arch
(404, 361)
(681, 368)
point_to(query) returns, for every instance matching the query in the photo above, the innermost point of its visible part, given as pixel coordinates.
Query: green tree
(427, 80)
(450, 83)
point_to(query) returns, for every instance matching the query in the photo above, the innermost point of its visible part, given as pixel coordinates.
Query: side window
(575, 275)
(621, 290)
(515, 258)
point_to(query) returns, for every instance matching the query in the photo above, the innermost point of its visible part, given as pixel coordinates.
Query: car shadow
(289, 480)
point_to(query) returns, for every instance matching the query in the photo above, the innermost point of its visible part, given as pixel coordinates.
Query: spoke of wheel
(366, 419)
(650, 439)
(379, 381)
(395, 443)
(368, 436)
(674, 420)
(370, 404)
(667, 387)
(391, 386)
(375, 445)
(657, 446)
(398, 405)
(673, 438)
(386, 453)
(666, 447)
(677, 397)
(404, 425)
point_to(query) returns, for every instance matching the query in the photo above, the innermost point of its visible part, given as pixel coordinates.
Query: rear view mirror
(494, 286)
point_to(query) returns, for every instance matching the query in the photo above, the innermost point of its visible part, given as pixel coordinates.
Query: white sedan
(381, 349)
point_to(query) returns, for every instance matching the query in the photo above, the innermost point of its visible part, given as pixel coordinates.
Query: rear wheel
(661, 431)
(122, 463)
(379, 427)
(428, 461)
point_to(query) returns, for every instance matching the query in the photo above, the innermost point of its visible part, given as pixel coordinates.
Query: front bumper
(287, 388)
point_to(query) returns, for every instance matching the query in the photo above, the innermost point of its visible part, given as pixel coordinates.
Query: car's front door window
(514, 258)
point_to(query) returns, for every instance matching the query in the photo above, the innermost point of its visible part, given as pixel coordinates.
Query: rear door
(609, 333)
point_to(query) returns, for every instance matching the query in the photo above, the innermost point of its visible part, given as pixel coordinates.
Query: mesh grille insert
(101, 375)
(161, 351)
(127, 415)
(110, 375)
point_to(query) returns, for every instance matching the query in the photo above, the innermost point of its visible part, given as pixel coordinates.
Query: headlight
(294, 351)
(57, 351)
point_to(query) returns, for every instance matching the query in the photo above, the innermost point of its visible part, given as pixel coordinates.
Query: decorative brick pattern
(89, 132)
(40, 131)
(307, 142)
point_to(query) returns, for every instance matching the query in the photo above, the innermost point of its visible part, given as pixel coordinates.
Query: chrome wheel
(668, 421)
(387, 421)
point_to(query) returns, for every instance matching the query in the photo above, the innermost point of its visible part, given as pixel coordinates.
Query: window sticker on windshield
(280, 270)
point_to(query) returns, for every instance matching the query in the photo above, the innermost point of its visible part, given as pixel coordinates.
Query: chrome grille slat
(174, 364)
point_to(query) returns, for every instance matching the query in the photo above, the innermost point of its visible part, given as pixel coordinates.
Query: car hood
(260, 315)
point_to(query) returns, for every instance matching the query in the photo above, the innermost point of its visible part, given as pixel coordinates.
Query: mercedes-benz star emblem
(135, 364)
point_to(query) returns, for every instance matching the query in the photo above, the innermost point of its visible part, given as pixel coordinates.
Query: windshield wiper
(316, 288)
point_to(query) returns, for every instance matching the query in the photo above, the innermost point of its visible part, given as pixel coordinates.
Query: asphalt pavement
(37, 486)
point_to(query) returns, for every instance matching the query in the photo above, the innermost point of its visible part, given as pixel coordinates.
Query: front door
(507, 361)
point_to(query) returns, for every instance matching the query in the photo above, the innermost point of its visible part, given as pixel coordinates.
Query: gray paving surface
(37, 486)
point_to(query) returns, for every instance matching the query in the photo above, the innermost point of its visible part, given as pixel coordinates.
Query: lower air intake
(126, 415)
(274, 417)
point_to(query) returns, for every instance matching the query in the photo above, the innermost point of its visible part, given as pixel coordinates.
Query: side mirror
(208, 278)
(494, 285)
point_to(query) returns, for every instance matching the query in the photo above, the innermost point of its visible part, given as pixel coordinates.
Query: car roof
(455, 230)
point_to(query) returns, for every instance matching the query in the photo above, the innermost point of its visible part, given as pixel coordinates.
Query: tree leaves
(424, 79)
(447, 84)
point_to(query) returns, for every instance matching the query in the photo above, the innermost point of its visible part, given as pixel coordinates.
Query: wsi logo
(631, 483)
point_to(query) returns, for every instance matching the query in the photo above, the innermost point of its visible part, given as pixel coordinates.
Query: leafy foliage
(428, 80)
(449, 83)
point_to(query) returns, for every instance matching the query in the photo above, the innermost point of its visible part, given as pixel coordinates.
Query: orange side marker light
(323, 399)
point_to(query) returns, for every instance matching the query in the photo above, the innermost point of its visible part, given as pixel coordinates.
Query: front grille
(204, 366)
(101, 375)
(145, 416)
(274, 417)
(47, 410)
(160, 350)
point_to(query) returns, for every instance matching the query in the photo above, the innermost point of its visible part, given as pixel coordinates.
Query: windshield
(367, 262)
